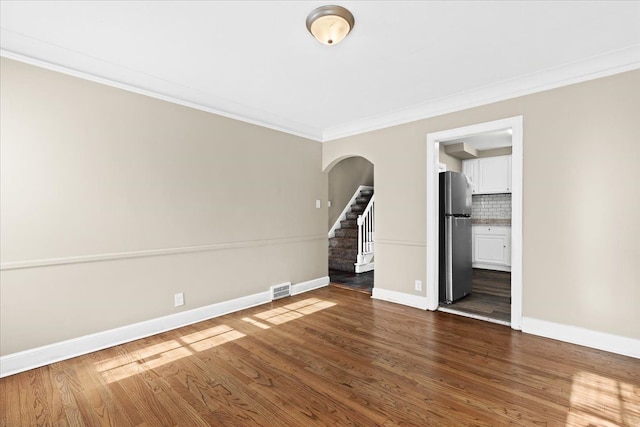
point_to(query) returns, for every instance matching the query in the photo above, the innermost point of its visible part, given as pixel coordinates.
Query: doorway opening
(351, 224)
(492, 287)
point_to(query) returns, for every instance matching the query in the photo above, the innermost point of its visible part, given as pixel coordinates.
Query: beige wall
(91, 170)
(581, 208)
(452, 163)
(344, 179)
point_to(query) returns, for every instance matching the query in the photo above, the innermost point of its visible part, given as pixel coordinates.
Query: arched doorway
(351, 223)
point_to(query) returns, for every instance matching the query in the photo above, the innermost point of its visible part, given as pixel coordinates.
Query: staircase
(343, 247)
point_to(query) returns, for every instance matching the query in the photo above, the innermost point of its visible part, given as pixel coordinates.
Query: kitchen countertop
(503, 222)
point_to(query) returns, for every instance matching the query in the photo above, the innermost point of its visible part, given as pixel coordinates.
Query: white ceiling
(256, 61)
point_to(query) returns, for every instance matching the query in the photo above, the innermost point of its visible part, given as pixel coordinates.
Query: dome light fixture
(330, 24)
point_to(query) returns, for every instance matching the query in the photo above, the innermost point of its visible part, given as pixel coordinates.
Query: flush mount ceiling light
(330, 24)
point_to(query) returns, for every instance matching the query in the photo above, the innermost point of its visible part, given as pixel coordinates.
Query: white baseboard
(40, 356)
(400, 298)
(363, 268)
(581, 336)
(310, 285)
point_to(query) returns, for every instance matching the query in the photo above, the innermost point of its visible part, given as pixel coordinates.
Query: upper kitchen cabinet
(489, 175)
(494, 175)
(470, 169)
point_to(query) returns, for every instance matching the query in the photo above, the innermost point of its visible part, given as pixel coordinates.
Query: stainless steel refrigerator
(455, 236)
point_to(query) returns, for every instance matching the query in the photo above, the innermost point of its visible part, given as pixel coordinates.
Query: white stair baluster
(360, 227)
(366, 224)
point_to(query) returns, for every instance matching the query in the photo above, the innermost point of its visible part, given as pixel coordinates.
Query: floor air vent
(280, 291)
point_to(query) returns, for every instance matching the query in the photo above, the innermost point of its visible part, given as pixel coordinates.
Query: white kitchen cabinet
(492, 247)
(489, 175)
(470, 168)
(494, 175)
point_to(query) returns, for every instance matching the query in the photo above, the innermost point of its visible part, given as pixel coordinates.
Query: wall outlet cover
(178, 299)
(418, 285)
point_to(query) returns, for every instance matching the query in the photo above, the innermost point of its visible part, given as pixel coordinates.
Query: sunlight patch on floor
(140, 366)
(225, 337)
(206, 333)
(294, 310)
(156, 355)
(278, 316)
(317, 306)
(137, 355)
(255, 323)
(604, 402)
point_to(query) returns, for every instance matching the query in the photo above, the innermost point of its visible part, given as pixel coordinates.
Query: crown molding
(607, 64)
(615, 62)
(243, 113)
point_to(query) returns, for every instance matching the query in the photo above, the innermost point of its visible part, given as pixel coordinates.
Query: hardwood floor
(331, 357)
(361, 282)
(490, 296)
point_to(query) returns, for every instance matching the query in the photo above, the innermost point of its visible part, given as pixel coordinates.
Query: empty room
(278, 213)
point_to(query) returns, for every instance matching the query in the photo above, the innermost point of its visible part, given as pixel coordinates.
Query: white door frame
(433, 146)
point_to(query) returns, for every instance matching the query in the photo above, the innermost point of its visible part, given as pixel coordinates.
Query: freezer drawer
(455, 258)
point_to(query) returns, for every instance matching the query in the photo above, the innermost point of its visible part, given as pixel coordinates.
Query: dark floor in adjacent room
(361, 282)
(490, 295)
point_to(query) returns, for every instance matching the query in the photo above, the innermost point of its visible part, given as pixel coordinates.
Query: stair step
(349, 223)
(358, 208)
(350, 254)
(342, 265)
(343, 248)
(351, 233)
(343, 242)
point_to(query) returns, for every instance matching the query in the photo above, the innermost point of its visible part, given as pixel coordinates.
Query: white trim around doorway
(433, 145)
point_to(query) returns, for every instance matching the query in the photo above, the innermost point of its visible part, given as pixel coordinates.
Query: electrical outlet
(418, 285)
(178, 299)
(318, 204)
(329, 203)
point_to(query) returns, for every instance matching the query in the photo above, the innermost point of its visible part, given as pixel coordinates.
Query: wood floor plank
(220, 392)
(451, 376)
(490, 296)
(310, 363)
(332, 357)
(69, 391)
(10, 405)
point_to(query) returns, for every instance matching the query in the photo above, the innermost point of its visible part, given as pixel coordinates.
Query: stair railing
(347, 209)
(366, 230)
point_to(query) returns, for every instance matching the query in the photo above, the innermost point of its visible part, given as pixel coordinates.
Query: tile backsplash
(491, 206)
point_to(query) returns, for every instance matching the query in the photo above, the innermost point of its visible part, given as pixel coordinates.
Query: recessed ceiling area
(478, 145)
(485, 141)
(256, 61)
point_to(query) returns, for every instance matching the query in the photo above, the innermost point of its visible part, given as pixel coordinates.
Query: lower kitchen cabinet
(492, 247)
